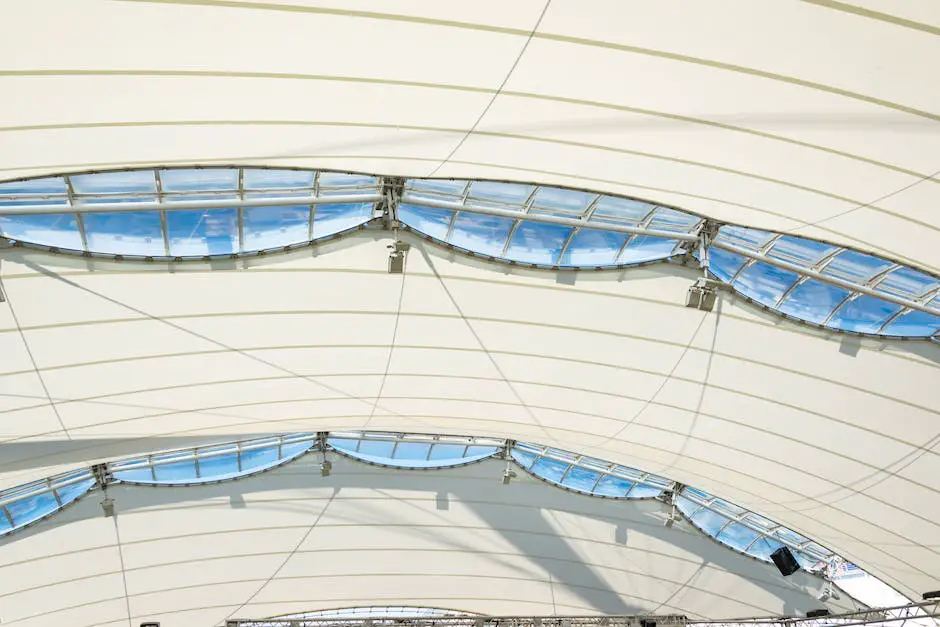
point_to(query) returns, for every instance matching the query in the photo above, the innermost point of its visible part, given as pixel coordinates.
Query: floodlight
(325, 467)
(702, 294)
(508, 475)
(107, 505)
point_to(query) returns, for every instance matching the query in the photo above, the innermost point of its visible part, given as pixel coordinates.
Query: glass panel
(737, 536)
(277, 179)
(32, 508)
(218, 466)
(344, 180)
(184, 471)
(611, 208)
(438, 186)
(855, 266)
(331, 219)
(203, 179)
(805, 252)
(913, 323)
(673, 220)
(864, 314)
(273, 227)
(764, 282)
(481, 451)
(743, 236)
(908, 282)
(685, 505)
(130, 233)
(724, 264)
(590, 247)
(448, 451)
(535, 242)
(550, 469)
(293, 449)
(413, 450)
(259, 457)
(813, 301)
(645, 248)
(566, 200)
(71, 492)
(139, 181)
(512, 193)
(523, 458)
(613, 486)
(198, 233)
(4, 523)
(763, 548)
(481, 233)
(641, 491)
(59, 231)
(710, 522)
(430, 221)
(581, 479)
(377, 448)
(143, 475)
(54, 185)
(343, 444)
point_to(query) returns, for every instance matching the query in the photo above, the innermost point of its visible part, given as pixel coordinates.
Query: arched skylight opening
(26, 504)
(210, 464)
(413, 450)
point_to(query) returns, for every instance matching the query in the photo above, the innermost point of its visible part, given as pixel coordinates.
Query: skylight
(205, 212)
(26, 504)
(413, 450)
(209, 464)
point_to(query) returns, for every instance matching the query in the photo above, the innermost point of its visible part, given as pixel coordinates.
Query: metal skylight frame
(432, 441)
(34, 492)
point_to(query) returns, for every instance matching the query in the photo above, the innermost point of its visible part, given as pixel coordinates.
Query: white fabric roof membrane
(785, 420)
(290, 541)
(708, 106)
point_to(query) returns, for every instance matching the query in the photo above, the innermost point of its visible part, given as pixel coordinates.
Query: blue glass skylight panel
(908, 283)
(412, 451)
(913, 324)
(592, 247)
(58, 230)
(621, 210)
(342, 183)
(537, 242)
(476, 451)
(642, 491)
(801, 251)
(610, 485)
(52, 185)
(708, 521)
(202, 179)
(563, 200)
(724, 264)
(764, 283)
(443, 187)
(743, 236)
(855, 266)
(667, 219)
(125, 233)
(258, 458)
(550, 469)
(332, 219)
(481, 233)
(219, 466)
(377, 448)
(32, 508)
(4, 524)
(273, 227)
(143, 474)
(261, 178)
(642, 248)
(763, 548)
(581, 479)
(449, 451)
(202, 232)
(737, 536)
(813, 301)
(69, 493)
(137, 182)
(510, 193)
(290, 450)
(523, 457)
(428, 220)
(344, 444)
(863, 314)
(182, 471)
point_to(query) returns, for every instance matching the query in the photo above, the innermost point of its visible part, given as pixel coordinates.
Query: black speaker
(784, 561)
(817, 613)
(933, 594)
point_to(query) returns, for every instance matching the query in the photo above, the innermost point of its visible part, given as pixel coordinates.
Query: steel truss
(925, 613)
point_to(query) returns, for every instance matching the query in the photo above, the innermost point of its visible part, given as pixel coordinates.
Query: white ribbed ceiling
(817, 118)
